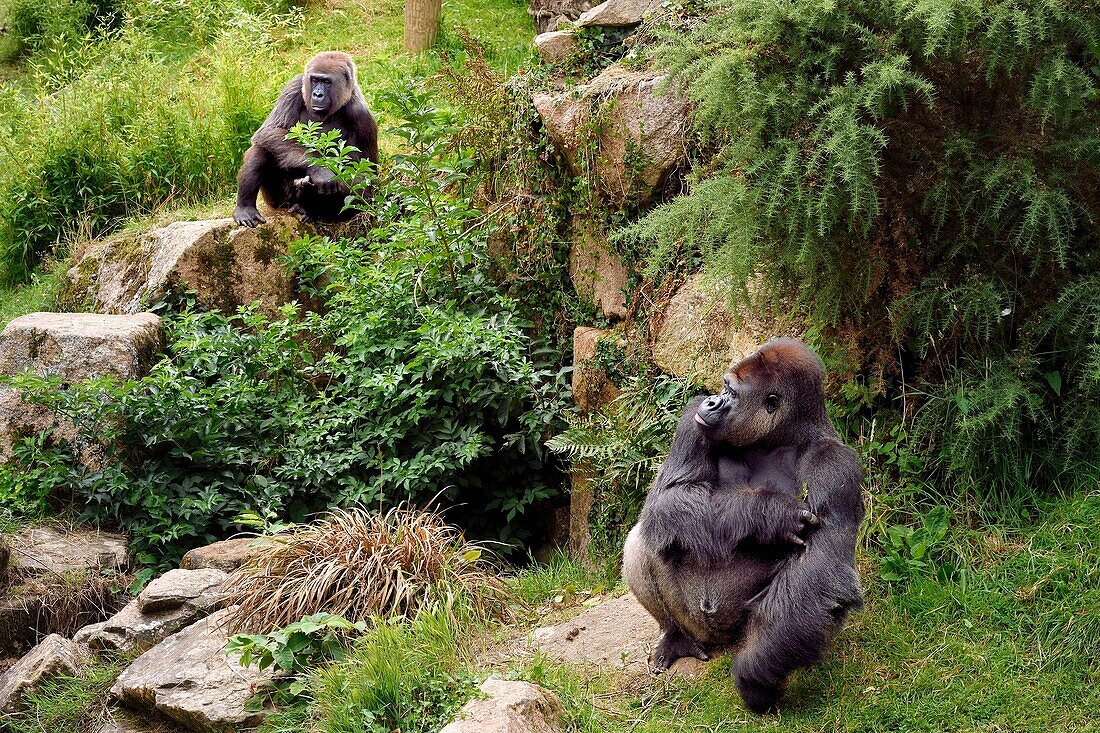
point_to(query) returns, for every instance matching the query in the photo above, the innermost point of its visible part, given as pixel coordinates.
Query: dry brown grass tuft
(363, 565)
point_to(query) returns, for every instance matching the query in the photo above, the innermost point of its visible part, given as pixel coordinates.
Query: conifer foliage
(919, 176)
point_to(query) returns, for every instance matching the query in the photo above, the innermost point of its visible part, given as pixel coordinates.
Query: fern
(918, 177)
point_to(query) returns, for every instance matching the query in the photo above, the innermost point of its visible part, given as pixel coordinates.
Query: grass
(1010, 645)
(1007, 645)
(155, 113)
(364, 565)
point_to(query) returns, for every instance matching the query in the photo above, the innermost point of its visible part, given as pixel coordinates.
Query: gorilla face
(745, 411)
(320, 94)
(779, 385)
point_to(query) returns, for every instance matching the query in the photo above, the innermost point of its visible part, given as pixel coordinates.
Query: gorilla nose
(707, 606)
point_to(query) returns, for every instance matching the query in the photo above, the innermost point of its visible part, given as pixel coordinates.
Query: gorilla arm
(687, 511)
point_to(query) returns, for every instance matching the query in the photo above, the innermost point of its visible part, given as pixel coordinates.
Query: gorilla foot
(760, 698)
(673, 645)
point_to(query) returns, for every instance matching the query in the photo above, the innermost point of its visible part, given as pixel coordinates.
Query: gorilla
(326, 92)
(727, 551)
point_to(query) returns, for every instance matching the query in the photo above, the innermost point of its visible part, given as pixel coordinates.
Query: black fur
(726, 551)
(279, 168)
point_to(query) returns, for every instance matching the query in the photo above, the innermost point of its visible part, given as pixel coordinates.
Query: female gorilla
(327, 92)
(726, 550)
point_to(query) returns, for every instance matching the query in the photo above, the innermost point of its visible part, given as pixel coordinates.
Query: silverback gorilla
(726, 551)
(327, 92)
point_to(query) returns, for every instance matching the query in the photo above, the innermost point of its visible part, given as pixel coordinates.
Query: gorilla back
(726, 550)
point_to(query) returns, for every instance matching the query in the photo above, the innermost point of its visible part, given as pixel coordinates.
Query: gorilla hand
(248, 216)
(324, 181)
(788, 520)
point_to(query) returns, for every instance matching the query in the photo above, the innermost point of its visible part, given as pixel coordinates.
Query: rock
(699, 337)
(114, 720)
(63, 578)
(581, 499)
(597, 272)
(75, 347)
(616, 634)
(554, 47)
(197, 589)
(85, 633)
(592, 389)
(43, 549)
(617, 13)
(130, 629)
(79, 346)
(189, 679)
(640, 139)
(549, 15)
(172, 601)
(511, 707)
(166, 605)
(54, 656)
(227, 265)
(227, 555)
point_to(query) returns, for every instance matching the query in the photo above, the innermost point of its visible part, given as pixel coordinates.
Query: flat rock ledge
(189, 679)
(38, 550)
(616, 634)
(510, 707)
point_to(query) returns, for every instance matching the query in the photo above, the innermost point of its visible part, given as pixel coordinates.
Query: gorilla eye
(771, 402)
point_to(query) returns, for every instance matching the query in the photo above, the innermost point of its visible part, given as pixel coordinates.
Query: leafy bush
(909, 550)
(920, 178)
(364, 565)
(296, 649)
(415, 381)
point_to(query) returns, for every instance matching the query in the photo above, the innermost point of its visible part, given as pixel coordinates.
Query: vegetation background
(915, 177)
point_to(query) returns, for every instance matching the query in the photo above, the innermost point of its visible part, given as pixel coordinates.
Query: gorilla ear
(771, 403)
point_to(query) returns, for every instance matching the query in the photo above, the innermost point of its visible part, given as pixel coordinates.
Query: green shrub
(919, 177)
(416, 381)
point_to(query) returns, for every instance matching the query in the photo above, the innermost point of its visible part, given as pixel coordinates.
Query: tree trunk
(421, 24)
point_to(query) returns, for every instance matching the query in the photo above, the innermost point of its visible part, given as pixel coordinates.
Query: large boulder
(198, 589)
(639, 138)
(227, 555)
(597, 272)
(618, 13)
(510, 707)
(699, 336)
(74, 347)
(225, 264)
(174, 600)
(550, 14)
(53, 657)
(554, 47)
(190, 679)
(80, 346)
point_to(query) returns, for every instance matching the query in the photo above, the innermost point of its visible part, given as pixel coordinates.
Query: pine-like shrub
(919, 176)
